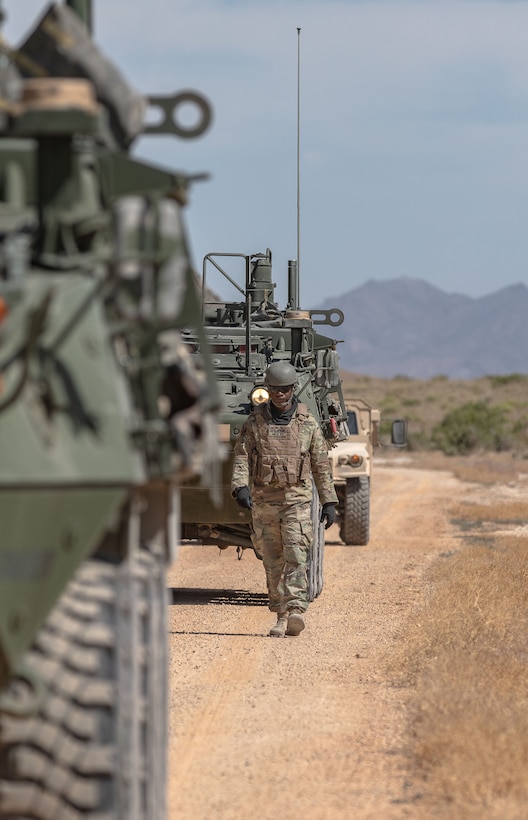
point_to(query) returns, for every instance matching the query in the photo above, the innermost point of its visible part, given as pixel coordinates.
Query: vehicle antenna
(298, 162)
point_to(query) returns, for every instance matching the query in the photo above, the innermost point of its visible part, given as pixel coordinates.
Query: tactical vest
(278, 458)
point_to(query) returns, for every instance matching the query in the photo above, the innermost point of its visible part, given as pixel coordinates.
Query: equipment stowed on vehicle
(245, 336)
(102, 410)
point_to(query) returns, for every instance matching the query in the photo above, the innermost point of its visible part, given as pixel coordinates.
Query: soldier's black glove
(328, 514)
(243, 498)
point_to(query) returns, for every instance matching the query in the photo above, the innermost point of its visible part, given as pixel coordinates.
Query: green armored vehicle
(102, 411)
(245, 336)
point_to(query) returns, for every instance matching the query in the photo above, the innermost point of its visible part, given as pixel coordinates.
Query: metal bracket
(327, 317)
(170, 123)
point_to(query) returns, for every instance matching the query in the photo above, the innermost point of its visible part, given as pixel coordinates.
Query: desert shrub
(425, 404)
(417, 440)
(472, 426)
(520, 431)
(389, 406)
(510, 378)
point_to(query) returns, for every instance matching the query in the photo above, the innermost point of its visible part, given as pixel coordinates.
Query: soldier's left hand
(328, 514)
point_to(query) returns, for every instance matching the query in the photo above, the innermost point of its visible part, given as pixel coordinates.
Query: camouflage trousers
(283, 534)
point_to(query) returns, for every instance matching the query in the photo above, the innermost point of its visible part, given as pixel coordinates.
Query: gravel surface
(308, 726)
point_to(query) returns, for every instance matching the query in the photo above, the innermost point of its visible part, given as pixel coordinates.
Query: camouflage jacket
(278, 461)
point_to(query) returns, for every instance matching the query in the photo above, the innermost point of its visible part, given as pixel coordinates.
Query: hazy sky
(413, 131)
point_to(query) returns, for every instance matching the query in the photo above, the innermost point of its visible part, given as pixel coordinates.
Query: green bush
(509, 378)
(472, 426)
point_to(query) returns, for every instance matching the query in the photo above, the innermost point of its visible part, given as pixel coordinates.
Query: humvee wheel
(315, 559)
(96, 744)
(355, 522)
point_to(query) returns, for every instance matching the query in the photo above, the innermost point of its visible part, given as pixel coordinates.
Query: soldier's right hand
(243, 498)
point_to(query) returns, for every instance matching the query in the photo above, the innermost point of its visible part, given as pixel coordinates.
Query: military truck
(102, 410)
(245, 336)
(351, 462)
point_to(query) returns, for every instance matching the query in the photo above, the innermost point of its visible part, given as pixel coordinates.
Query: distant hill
(409, 327)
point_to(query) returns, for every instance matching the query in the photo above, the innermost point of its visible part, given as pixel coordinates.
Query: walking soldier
(279, 449)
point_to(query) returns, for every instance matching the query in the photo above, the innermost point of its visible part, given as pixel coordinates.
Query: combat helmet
(280, 374)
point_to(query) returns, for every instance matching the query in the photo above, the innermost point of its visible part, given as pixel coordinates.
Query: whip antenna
(298, 161)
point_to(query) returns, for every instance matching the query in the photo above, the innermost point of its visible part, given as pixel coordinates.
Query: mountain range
(410, 328)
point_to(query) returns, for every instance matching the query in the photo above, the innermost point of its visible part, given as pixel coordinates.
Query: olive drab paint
(102, 409)
(247, 336)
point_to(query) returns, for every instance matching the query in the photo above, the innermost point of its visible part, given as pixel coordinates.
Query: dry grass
(485, 468)
(465, 654)
(424, 403)
(511, 512)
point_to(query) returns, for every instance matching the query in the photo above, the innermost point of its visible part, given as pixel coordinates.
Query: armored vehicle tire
(96, 744)
(315, 559)
(355, 520)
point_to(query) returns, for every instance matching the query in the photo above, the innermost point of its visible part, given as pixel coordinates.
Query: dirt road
(308, 726)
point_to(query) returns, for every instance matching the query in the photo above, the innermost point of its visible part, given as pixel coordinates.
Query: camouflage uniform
(277, 462)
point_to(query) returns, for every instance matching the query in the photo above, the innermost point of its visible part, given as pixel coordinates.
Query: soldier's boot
(295, 622)
(279, 630)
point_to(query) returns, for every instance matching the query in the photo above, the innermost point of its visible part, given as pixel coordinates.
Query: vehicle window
(352, 423)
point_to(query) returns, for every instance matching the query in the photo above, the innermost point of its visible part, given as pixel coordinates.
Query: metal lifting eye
(169, 109)
(333, 317)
